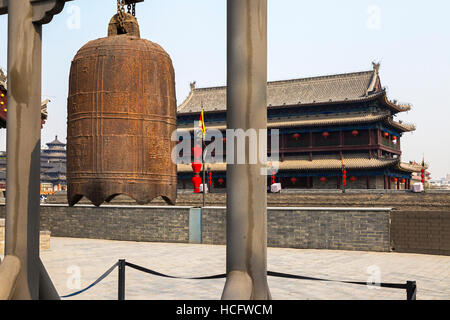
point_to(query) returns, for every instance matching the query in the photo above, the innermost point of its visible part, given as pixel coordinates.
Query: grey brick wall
(343, 229)
(152, 224)
(421, 232)
(310, 228)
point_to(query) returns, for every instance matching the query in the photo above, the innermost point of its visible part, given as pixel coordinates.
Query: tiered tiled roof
(310, 121)
(362, 163)
(341, 88)
(319, 163)
(56, 143)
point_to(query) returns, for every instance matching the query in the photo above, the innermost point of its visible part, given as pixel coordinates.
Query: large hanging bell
(121, 115)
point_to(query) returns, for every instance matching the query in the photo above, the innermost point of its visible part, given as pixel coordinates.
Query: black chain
(131, 8)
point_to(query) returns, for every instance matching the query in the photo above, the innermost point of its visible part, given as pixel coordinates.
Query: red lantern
(323, 179)
(296, 136)
(355, 133)
(210, 179)
(273, 177)
(196, 181)
(386, 134)
(224, 139)
(293, 180)
(325, 134)
(403, 181)
(196, 167)
(353, 179)
(394, 138)
(221, 180)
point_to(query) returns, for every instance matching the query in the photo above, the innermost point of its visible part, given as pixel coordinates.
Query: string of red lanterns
(197, 167)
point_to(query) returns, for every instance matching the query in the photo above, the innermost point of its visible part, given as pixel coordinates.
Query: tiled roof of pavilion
(406, 127)
(329, 119)
(340, 88)
(323, 120)
(319, 163)
(56, 142)
(411, 167)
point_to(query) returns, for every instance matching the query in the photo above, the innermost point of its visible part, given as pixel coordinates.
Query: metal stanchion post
(121, 279)
(411, 290)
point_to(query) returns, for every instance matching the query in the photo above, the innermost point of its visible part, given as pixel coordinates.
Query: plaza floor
(76, 263)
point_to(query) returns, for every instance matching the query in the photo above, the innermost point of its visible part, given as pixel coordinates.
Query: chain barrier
(410, 286)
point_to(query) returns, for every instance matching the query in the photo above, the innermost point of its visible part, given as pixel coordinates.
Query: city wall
(308, 228)
(376, 220)
(401, 200)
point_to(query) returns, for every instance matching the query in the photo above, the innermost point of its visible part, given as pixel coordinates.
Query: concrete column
(246, 186)
(23, 146)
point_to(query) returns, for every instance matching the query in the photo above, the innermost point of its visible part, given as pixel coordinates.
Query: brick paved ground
(93, 257)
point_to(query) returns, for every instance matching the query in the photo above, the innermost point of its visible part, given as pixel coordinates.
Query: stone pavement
(90, 258)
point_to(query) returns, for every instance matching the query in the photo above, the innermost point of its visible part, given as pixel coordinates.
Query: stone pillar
(23, 146)
(246, 185)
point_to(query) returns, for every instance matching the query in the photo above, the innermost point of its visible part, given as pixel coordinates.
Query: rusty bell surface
(121, 114)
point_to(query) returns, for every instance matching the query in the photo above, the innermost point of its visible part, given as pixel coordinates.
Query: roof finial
(193, 85)
(376, 66)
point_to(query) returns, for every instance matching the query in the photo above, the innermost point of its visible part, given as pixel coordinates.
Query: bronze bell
(121, 115)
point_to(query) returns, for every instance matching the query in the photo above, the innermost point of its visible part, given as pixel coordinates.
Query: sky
(410, 38)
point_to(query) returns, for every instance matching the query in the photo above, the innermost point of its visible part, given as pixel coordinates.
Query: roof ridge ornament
(376, 67)
(192, 84)
(373, 82)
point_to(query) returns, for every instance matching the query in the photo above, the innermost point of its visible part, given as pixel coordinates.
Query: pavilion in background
(323, 121)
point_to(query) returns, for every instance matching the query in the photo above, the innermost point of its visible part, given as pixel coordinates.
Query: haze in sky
(306, 38)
